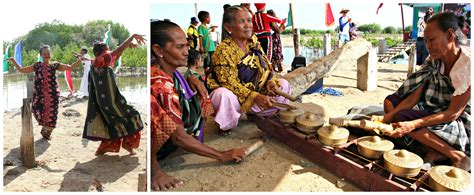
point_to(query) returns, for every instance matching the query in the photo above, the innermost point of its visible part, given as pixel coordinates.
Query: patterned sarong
(109, 116)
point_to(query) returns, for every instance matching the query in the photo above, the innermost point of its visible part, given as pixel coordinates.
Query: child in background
(207, 46)
(194, 61)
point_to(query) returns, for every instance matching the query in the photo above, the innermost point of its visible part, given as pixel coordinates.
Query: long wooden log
(27, 145)
(302, 78)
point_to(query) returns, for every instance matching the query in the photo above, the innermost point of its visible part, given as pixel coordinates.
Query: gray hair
(228, 19)
(448, 20)
(42, 47)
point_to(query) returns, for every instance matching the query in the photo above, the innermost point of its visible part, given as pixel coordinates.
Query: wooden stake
(142, 182)
(253, 147)
(27, 144)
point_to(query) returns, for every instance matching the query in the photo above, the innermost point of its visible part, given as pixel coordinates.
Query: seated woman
(176, 112)
(433, 105)
(241, 77)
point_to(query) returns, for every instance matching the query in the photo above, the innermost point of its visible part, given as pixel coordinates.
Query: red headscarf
(104, 60)
(260, 6)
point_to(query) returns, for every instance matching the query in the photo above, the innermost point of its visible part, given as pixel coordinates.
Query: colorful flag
(380, 6)
(119, 65)
(329, 16)
(40, 59)
(67, 76)
(6, 55)
(18, 56)
(107, 36)
(289, 21)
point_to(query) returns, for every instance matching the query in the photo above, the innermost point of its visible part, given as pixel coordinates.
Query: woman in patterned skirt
(46, 89)
(109, 117)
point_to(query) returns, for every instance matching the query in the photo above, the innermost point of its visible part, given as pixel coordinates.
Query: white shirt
(213, 35)
(460, 74)
(421, 27)
(346, 28)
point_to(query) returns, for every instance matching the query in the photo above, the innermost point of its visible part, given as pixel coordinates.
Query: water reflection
(14, 89)
(310, 54)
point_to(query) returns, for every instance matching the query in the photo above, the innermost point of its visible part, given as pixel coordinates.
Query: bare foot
(464, 163)
(162, 181)
(99, 153)
(130, 150)
(224, 133)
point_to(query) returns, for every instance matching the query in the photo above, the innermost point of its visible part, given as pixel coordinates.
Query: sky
(18, 17)
(309, 15)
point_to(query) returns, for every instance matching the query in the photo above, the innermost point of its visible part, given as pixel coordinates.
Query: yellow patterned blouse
(245, 74)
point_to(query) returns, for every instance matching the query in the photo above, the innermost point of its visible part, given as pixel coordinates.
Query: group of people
(109, 118)
(240, 80)
(431, 110)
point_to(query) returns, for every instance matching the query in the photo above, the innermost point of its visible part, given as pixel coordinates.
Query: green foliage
(391, 42)
(370, 28)
(408, 28)
(313, 42)
(308, 32)
(65, 39)
(389, 30)
(135, 57)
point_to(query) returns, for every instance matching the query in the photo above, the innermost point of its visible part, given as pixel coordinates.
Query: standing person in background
(247, 7)
(45, 101)
(421, 50)
(277, 57)
(207, 47)
(226, 6)
(86, 64)
(261, 27)
(193, 35)
(215, 36)
(109, 118)
(344, 27)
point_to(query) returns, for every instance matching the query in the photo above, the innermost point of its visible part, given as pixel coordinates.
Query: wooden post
(29, 85)
(327, 44)
(142, 182)
(411, 61)
(296, 33)
(382, 46)
(27, 144)
(296, 41)
(367, 71)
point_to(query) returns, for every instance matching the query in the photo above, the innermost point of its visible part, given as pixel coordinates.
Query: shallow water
(14, 89)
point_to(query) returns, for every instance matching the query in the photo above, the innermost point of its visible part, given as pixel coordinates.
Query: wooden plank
(27, 145)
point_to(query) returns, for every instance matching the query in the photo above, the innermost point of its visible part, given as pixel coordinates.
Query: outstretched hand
(235, 155)
(11, 59)
(139, 38)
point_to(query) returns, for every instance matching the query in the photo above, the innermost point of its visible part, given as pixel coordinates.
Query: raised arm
(63, 67)
(127, 43)
(19, 68)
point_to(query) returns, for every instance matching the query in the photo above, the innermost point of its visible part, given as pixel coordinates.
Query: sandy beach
(67, 162)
